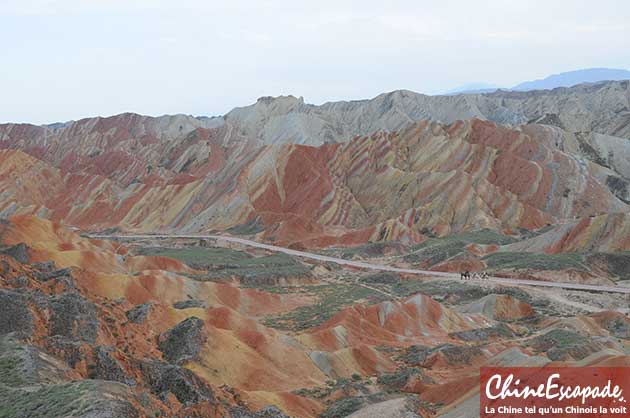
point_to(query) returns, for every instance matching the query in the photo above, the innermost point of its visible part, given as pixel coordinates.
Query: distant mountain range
(566, 79)
(474, 88)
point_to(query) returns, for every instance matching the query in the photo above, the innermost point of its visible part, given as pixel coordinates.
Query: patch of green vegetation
(313, 393)
(383, 277)
(284, 290)
(332, 298)
(369, 250)
(24, 394)
(348, 405)
(588, 151)
(395, 381)
(414, 354)
(619, 327)
(535, 261)
(222, 263)
(9, 370)
(450, 292)
(484, 334)
(11, 363)
(432, 251)
(353, 385)
(617, 264)
(417, 355)
(439, 289)
(435, 251)
(556, 339)
(344, 407)
(562, 344)
(68, 399)
(199, 257)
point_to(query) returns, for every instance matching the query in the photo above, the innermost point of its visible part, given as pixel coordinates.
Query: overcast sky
(68, 59)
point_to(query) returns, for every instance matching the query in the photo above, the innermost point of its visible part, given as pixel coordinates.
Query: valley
(293, 260)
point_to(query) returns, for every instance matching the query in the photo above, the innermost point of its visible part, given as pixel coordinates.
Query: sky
(64, 60)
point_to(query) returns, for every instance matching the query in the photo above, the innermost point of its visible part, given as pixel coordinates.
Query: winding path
(363, 265)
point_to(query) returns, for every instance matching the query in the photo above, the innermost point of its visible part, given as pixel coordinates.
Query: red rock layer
(125, 172)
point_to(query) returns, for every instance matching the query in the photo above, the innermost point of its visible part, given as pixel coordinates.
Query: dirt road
(364, 265)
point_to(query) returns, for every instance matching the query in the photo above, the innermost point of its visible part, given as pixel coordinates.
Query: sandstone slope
(427, 177)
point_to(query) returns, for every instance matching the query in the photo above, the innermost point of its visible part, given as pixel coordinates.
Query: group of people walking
(465, 275)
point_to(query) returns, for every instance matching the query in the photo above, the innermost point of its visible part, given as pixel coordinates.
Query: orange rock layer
(397, 186)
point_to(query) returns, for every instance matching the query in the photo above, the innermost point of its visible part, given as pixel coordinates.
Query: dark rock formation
(563, 344)
(45, 266)
(270, 411)
(106, 367)
(191, 303)
(22, 364)
(138, 314)
(484, 334)
(423, 356)
(186, 386)
(68, 350)
(14, 314)
(19, 281)
(20, 252)
(183, 341)
(74, 317)
(398, 379)
(36, 385)
(44, 275)
(575, 351)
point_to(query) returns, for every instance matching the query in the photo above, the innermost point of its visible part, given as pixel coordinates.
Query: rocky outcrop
(24, 364)
(73, 317)
(107, 367)
(426, 357)
(138, 314)
(601, 107)
(15, 315)
(35, 385)
(164, 378)
(566, 345)
(46, 273)
(190, 303)
(484, 334)
(359, 341)
(20, 252)
(267, 412)
(69, 350)
(183, 342)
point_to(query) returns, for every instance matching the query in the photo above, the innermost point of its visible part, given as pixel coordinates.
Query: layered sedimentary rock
(116, 336)
(606, 233)
(427, 177)
(378, 175)
(601, 107)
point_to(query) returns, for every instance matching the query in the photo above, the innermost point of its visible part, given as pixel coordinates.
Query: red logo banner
(555, 392)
